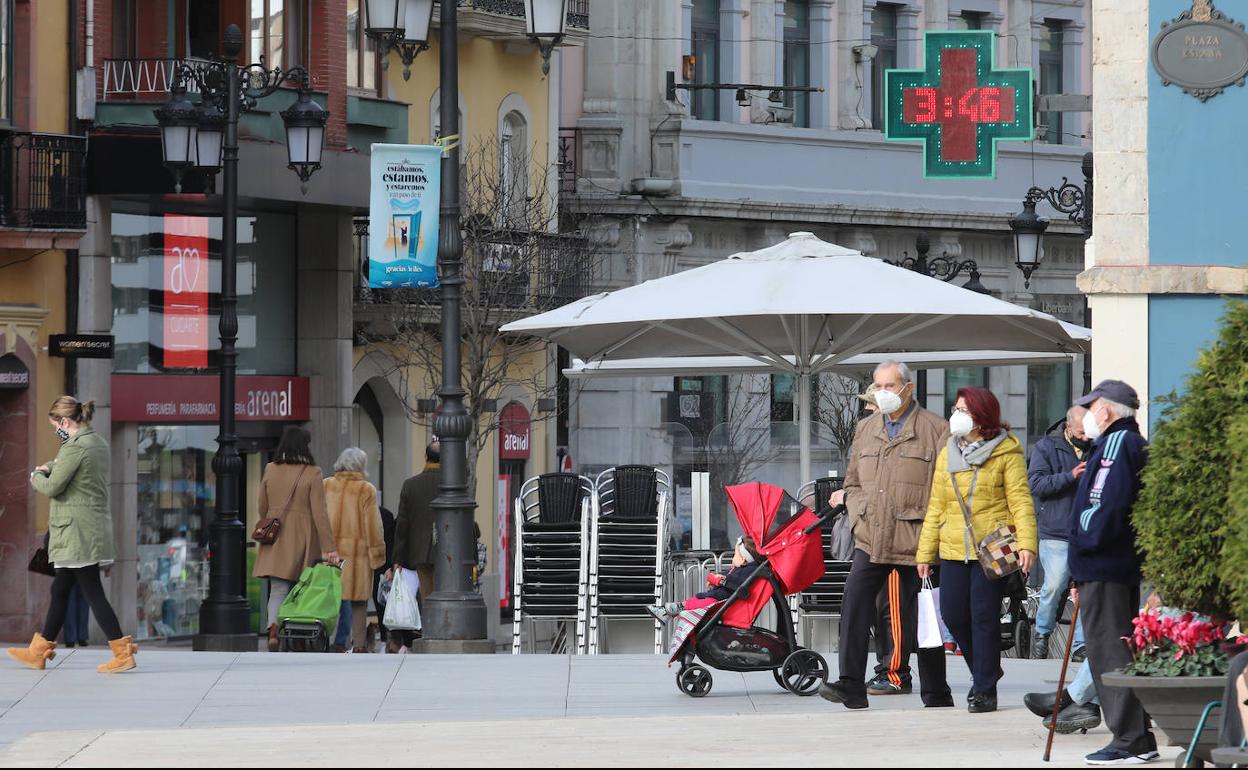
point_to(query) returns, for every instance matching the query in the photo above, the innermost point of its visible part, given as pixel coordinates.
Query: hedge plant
(1185, 512)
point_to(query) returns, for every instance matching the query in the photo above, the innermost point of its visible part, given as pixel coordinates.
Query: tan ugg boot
(123, 656)
(35, 656)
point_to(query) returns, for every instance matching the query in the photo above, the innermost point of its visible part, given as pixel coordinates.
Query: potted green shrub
(1191, 524)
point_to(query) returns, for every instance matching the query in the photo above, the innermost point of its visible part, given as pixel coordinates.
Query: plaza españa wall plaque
(960, 105)
(1202, 51)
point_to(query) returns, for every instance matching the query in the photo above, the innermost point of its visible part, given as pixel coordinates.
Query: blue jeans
(970, 603)
(1083, 688)
(1053, 555)
(343, 632)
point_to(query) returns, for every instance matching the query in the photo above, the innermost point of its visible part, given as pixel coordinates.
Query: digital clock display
(959, 105)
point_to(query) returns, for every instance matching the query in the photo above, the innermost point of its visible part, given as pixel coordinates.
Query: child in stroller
(744, 563)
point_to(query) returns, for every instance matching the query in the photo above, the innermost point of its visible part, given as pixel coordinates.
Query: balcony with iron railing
(505, 18)
(43, 182)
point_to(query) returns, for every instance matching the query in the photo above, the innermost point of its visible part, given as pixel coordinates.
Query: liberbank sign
(189, 398)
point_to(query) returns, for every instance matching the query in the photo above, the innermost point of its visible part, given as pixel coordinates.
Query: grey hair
(1121, 411)
(903, 371)
(352, 459)
(1070, 413)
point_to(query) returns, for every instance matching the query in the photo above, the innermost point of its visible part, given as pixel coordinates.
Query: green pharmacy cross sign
(960, 106)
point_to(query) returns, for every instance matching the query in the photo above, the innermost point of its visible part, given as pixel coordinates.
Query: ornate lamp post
(206, 137)
(1069, 199)
(454, 614)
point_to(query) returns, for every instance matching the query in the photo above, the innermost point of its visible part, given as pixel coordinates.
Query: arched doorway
(368, 432)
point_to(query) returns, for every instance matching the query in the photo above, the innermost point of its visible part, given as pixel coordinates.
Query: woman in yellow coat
(351, 502)
(987, 465)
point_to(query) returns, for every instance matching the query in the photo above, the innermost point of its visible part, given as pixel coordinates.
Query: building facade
(42, 220)
(713, 172)
(1168, 253)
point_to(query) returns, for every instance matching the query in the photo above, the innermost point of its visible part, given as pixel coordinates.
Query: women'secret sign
(404, 202)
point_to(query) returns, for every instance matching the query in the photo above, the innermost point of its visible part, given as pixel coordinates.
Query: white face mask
(888, 401)
(1090, 428)
(961, 424)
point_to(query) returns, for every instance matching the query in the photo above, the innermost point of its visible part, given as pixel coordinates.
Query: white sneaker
(659, 612)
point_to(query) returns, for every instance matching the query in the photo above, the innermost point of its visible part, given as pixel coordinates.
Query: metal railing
(43, 181)
(569, 158)
(578, 10)
(144, 79)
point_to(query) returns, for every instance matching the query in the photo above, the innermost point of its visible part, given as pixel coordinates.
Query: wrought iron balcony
(43, 181)
(578, 10)
(143, 80)
(569, 157)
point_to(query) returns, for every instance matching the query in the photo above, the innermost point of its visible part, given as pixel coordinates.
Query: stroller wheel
(803, 672)
(694, 681)
(779, 679)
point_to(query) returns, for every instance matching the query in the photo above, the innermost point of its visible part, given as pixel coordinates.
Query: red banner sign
(513, 432)
(186, 292)
(189, 398)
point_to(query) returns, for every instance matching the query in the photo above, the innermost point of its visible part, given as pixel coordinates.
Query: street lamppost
(1029, 228)
(205, 137)
(454, 614)
(941, 268)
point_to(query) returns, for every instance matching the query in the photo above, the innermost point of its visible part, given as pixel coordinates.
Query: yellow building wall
(489, 70)
(52, 60)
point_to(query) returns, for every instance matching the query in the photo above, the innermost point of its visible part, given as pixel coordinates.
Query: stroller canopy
(776, 522)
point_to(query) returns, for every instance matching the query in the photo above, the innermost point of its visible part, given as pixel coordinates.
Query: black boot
(1041, 703)
(982, 702)
(845, 693)
(1076, 717)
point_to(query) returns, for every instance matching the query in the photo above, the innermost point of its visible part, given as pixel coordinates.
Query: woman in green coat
(80, 533)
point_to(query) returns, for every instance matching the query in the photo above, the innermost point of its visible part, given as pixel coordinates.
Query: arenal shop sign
(190, 398)
(513, 432)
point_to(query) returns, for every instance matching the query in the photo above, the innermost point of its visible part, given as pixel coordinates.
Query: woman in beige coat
(356, 521)
(292, 491)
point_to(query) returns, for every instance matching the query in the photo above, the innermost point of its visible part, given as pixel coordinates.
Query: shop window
(883, 37)
(166, 276)
(278, 31)
(1052, 45)
(704, 105)
(176, 497)
(1048, 397)
(797, 58)
(962, 377)
(363, 63)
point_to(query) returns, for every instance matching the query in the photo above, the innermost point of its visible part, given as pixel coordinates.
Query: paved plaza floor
(181, 708)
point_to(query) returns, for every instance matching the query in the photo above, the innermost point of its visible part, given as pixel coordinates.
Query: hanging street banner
(960, 105)
(404, 203)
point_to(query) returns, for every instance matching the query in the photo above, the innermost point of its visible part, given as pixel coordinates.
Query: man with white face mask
(1105, 564)
(886, 490)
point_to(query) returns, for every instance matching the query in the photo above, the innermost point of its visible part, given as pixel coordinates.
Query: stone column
(1073, 81)
(823, 64)
(324, 279)
(866, 69)
(908, 38)
(732, 57)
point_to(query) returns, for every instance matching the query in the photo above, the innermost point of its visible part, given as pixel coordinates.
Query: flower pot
(1176, 704)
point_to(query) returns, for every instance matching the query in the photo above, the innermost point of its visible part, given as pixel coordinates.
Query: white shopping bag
(929, 617)
(402, 612)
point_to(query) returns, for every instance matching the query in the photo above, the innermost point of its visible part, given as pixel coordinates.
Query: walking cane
(1061, 680)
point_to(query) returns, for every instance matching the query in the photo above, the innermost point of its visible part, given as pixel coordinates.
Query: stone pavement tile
(868, 738)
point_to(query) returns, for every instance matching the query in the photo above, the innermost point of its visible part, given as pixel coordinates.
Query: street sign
(960, 105)
(80, 345)
(14, 375)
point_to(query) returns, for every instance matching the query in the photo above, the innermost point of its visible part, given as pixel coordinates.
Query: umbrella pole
(803, 426)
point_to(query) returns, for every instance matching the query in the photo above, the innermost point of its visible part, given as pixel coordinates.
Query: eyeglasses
(957, 409)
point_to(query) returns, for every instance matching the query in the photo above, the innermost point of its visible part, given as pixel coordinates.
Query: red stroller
(724, 635)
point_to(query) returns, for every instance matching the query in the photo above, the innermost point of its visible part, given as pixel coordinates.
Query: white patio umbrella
(803, 307)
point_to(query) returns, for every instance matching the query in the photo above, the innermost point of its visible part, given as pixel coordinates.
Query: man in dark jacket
(1105, 563)
(414, 525)
(1053, 472)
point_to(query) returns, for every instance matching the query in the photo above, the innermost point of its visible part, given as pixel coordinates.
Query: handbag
(39, 561)
(930, 634)
(268, 528)
(998, 550)
(402, 606)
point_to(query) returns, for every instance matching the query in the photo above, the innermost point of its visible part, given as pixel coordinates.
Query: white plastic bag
(929, 617)
(402, 612)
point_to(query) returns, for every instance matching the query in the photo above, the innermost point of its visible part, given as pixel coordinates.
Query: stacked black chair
(627, 547)
(822, 601)
(552, 553)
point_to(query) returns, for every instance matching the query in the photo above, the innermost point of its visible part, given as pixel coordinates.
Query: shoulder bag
(268, 528)
(998, 550)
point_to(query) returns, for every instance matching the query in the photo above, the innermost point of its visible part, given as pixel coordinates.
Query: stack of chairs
(822, 601)
(628, 541)
(552, 542)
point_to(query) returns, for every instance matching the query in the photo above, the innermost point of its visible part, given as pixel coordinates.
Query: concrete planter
(1176, 703)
